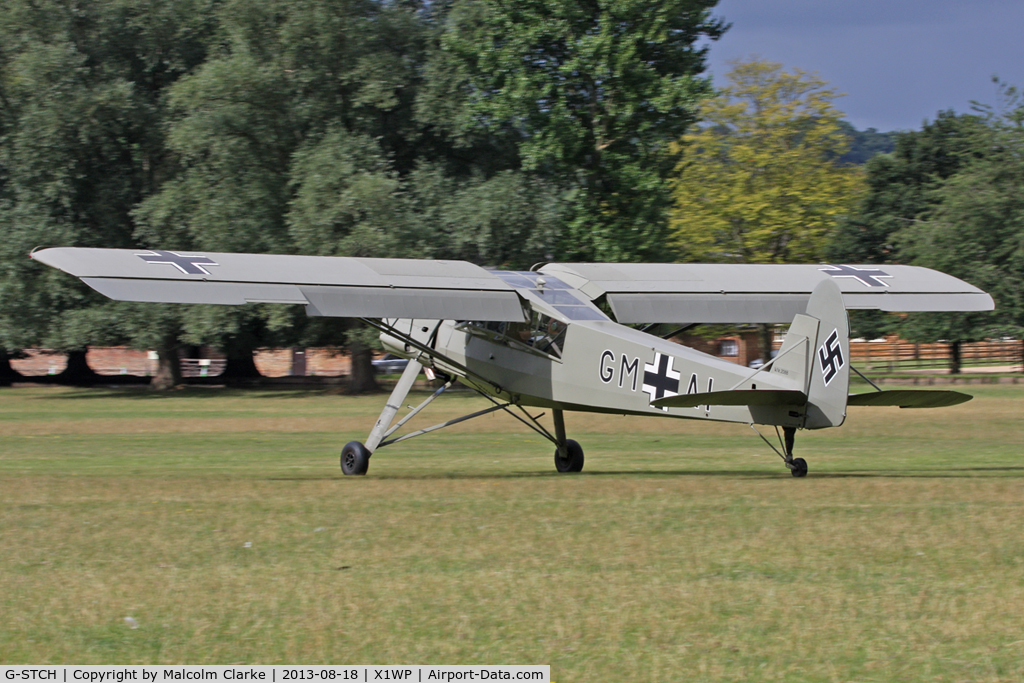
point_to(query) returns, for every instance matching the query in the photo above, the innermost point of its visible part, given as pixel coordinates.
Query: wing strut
(864, 377)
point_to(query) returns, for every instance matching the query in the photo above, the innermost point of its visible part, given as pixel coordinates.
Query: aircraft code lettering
(627, 369)
(607, 371)
(692, 389)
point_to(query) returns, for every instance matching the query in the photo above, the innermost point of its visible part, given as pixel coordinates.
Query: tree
(759, 181)
(899, 187)
(512, 219)
(81, 142)
(262, 131)
(593, 95)
(901, 193)
(866, 144)
(231, 133)
(974, 229)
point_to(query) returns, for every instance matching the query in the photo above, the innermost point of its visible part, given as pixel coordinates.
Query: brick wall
(746, 346)
(119, 360)
(320, 362)
(40, 362)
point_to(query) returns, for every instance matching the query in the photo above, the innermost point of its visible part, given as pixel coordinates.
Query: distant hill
(865, 144)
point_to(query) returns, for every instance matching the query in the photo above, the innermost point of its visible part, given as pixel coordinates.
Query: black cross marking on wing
(190, 265)
(866, 276)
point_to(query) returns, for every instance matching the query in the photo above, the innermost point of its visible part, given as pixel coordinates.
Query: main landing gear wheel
(355, 459)
(573, 460)
(798, 468)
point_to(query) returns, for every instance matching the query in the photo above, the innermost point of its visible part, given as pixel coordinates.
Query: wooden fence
(899, 356)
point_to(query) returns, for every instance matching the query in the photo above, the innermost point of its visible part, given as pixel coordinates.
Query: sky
(898, 61)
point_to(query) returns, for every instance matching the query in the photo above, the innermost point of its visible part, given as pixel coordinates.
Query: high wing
(760, 293)
(325, 285)
(457, 290)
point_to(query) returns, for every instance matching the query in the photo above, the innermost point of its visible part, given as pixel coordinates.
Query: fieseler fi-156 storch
(564, 336)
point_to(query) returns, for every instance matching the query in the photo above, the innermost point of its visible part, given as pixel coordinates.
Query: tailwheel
(355, 458)
(572, 458)
(798, 467)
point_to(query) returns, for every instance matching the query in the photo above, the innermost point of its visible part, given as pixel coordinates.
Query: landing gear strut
(355, 457)
(797, 466)
(568, 453)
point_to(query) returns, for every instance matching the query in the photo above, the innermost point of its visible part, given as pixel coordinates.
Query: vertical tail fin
(829, 384)
(815, 357)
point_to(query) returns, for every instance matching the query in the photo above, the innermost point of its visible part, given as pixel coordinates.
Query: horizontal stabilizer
(739, 397)
(910, 398)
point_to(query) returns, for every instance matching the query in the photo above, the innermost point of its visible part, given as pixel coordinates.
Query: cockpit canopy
(541, 333)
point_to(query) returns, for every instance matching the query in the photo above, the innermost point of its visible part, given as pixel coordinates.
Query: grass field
(219, 521)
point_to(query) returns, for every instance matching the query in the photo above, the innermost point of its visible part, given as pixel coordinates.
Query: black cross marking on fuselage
(190, 265)
(831, 356)
(660, 382)
(865, 276)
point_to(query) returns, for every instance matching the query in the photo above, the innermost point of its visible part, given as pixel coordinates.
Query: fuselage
(589, 366)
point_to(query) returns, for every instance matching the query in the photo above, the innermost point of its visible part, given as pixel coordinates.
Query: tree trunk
(77, 373)
(766, 334)
(362, 379)
(168, 369)
(240, 367)
(954, 358)
(7, 373)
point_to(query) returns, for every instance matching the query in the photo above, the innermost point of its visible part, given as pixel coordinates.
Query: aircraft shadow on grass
(919, 473)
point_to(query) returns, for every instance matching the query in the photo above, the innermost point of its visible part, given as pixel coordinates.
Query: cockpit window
(542, 332)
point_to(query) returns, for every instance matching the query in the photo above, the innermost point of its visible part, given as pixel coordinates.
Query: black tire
(355, 459)
(573, 462)
(799, 467)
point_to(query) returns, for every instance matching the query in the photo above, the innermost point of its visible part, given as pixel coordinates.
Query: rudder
(829, 383)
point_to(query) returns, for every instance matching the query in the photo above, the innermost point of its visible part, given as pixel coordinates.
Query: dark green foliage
(976, 228)
(949, 197)
(865, 144)
(593, 93)
(511, 220)
(81, 143)
(899, 187)
(899, 195)
(500, 134)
